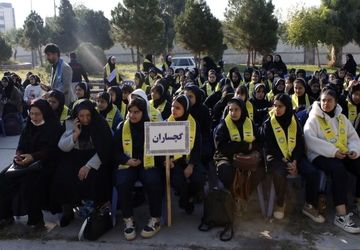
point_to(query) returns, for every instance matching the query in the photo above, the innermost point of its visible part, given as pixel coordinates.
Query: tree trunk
(15, 53)
(254, 58)
(248, 59)
(40, 56)
(318, 55)
(335, 56)
(32, 59)
(137, 58)
(132, 55)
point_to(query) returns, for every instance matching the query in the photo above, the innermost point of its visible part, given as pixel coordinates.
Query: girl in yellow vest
(154, 114)
(235, 134)
(140, 82)
(284, 152)
(187, 173)
(108, 110)
(278, 88)
(134, 166)
(116, 99)
(255, 79)
(300, 99)
(82, 91)
(159, 100)
(260, 103)
(56, 100)
(235, 77)
(314, 88)
(111, 75)
(211, 85)
(334, 146)
(351, 107)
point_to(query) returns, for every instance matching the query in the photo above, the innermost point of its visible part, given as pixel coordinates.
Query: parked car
(185, 62)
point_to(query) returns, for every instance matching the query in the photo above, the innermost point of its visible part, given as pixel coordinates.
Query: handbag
(97, 224)
(218, 212)
(15, 170)
(244, 166)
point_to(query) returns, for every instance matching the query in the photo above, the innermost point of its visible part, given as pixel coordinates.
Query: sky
(46, 7)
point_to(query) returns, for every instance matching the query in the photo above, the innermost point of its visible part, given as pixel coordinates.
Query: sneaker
(345, 223)
(313, 213)
(322, 204)
(279, 212)
(129, 230)
(6, 222)
(152, 228)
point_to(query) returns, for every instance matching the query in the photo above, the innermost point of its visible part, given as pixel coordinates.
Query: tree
(31, 38)
(199, 31)
(5, 50)
(342, 18)
(305, 28)
(138, 24)
(251, 25)
(39, 26)
(94, 27)
(65, 29)
(170, 10)
(13, 37)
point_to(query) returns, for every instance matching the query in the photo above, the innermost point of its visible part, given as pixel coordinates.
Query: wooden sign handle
(168, 192)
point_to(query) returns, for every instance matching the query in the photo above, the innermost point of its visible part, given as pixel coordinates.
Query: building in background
(7, 17)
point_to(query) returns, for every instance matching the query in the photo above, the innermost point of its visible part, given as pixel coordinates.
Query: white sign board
(167, 138)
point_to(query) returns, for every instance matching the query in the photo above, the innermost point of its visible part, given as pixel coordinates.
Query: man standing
(78, 70)
(61, 72)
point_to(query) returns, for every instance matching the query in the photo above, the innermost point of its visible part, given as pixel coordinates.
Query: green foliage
(94, 27)
(64, 32)
(199, 31)
(5, 50)
(138, 24)
(305, 27)
(91, 57)
(251, 25)
(32, 36)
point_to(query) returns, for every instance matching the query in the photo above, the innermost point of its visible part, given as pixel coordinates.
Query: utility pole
(54, 9)
(31, 5)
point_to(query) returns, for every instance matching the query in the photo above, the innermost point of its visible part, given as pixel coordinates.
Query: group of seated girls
(89, 148)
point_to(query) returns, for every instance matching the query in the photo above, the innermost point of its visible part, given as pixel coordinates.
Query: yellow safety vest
(123, 110)
(251, 88)
(209, 88)
(108, 72)
(64, 115)
(234, 132)
(127, 144)
(270, 84)
(295, 101)
(288, 144)
(192, 134)
(144, 87)
(340, 141)
(250, 109)
(160, 108)
(154, 114)
(352, 112)
(111, 115)
(270, 96)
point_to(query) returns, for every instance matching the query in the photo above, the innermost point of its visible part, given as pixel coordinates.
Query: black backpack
(12, 124)
(219, 207)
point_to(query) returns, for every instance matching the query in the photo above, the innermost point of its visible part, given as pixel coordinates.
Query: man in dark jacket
(78, 70)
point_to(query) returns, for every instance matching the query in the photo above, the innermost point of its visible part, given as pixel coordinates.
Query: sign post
(166, 139)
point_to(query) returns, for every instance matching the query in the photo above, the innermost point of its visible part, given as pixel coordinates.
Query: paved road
(251, 229)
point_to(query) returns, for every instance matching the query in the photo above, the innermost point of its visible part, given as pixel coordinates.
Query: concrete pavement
(251, 229)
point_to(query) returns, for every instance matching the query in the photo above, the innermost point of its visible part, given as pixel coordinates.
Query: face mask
(38, 124)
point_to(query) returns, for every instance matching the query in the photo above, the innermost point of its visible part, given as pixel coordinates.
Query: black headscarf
(60, 97)
(8, 89)
(112, 65)
(118, 99)
(137, 129)
(239, 123)
(105, 96)
(237, 72)
(46, 110)
(351, 91)
(84, 86)
(285, 119)
(98, 130)
(160, 89)
(274, 88)
(185, 103)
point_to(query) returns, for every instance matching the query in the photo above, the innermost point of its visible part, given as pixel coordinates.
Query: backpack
(219, 207)
(12, 124)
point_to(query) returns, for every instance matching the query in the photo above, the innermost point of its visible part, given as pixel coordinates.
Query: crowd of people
(301, 124)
